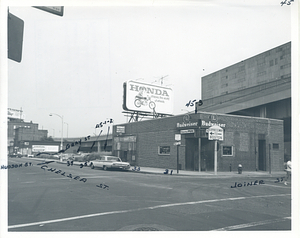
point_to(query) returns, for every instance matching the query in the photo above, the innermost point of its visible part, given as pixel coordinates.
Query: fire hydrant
(240, 168)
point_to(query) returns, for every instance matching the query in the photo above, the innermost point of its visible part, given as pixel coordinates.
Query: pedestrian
(288, 169)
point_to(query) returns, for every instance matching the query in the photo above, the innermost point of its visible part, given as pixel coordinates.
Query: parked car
(109, 162)
(30, 156)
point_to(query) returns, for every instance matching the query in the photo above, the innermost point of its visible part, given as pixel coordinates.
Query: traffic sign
(177, 143)
(177, 137)
(215, 133)
(15, 37)
(54, 10)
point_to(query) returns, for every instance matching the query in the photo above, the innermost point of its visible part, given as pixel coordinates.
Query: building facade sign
(147, 98)
(14, 113)
(207, 124)
(189, 124)
(44, 148)
(188, 131)
(120, 129)
(125, 139)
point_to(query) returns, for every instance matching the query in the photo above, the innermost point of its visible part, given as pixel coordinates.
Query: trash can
(240, 169)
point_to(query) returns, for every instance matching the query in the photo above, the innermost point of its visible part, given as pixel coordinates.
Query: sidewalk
(210, 174)
(204, 174)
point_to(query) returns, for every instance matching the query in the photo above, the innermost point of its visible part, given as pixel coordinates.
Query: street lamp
(62, 128)
(67, 129)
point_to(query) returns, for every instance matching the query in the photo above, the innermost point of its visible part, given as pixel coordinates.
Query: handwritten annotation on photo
(287, 2)
(247, 184)
(15, 166)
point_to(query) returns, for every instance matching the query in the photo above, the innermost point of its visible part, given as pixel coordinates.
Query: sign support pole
(216, 157)
(199, 154)
(177, 159)
(270, 159)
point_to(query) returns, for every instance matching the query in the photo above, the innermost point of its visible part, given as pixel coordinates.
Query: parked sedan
(109, 162)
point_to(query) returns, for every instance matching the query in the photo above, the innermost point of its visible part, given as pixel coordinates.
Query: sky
(75, 65)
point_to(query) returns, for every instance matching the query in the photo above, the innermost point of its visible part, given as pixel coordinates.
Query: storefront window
(164, 150)
(227, 151)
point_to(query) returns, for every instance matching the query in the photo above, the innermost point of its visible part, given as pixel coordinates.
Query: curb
(203, 175)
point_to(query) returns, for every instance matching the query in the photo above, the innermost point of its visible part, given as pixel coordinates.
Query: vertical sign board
(177, 137)
(15, 28)
(215, 133)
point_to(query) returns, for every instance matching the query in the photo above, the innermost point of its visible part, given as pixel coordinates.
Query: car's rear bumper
(120, 167)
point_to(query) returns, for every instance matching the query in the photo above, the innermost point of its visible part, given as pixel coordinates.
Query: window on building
(224, 85)
(285, 66)
(261, 73)
(271, 62)
(164, 150)
(241, 68)
(275, 146)
(227, 150)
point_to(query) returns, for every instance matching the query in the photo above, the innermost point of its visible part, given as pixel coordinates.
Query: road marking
(29, 182)
(258, 223)
(141, 209)
(98, 177)
(276, 186)
(153, 186)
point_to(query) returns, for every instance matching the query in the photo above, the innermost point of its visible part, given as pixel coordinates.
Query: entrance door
(207, 155)
(125, 156)
(191, 154)
(262, 155)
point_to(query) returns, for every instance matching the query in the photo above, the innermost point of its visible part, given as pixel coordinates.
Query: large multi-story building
(21, 133)
(259, 86)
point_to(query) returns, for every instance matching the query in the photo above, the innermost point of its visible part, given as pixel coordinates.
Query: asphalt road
(70, 198)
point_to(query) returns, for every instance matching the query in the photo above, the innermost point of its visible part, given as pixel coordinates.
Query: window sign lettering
(227, 151)
(164, 150)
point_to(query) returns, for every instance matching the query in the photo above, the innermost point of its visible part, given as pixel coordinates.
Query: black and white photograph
(151, 117)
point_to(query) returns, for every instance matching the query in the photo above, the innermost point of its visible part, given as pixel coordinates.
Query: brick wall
(242, 133)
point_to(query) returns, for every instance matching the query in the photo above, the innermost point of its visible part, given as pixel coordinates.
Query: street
(57, 197)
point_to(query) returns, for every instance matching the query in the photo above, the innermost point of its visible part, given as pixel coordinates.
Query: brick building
(20, 133)
(256, 143)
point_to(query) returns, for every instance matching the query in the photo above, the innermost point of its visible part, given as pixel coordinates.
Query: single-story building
(255, 143)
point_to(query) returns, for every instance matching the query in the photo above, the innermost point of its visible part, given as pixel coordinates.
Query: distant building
(259, 86)
(25, 138)
(21, 134)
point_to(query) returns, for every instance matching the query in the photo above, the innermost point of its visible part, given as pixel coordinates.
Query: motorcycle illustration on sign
(141, 100)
